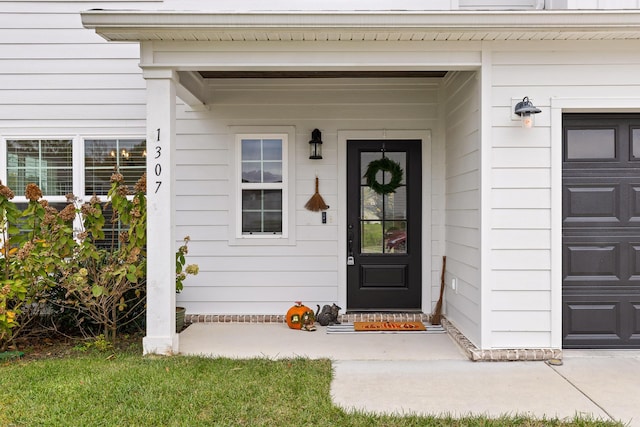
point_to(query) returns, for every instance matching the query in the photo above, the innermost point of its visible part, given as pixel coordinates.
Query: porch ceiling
(126, 25)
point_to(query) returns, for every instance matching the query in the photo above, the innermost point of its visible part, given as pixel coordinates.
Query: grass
(97, 388)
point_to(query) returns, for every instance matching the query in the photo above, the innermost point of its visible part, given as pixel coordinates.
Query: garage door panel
(599, 320)
(597, 317)
(593, 261)
(592, 203)
(601, 231)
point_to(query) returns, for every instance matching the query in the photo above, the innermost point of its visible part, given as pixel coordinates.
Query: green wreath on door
(384, 164)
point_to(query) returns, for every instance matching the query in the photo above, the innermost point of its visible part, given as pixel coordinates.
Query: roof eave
(127, 25)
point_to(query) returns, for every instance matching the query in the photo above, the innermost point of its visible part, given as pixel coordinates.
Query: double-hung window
(263, 185)
(45, 162)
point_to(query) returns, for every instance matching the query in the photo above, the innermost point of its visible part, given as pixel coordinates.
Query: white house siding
(58, 79)
(258, 279)
(522, 300)
(461, 103)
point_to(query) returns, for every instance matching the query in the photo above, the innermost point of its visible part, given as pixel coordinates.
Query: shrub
(47, 268)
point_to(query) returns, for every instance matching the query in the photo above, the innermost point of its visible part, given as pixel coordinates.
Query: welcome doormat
(388, 326)
(385, 327)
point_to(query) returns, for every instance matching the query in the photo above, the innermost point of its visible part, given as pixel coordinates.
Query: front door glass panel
(383, 217)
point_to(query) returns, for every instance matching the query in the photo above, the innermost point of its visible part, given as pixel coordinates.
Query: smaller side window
(263, 184)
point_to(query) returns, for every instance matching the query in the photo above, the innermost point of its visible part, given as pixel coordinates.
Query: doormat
(386, 328)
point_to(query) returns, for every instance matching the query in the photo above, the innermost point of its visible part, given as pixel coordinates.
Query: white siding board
(61, 112)
(529, 280)
(521, 178)
(521, 259)
(187, 171)
(197, 158)
(525, 157)
(560, 75)
(525, 301)
(465, 182)
(69, 51)
(509, 198)
(72, 65)
(201, 187)
(192, 141)
(518, 218)
(71, 97)
(514, 321)
(205, 218)
(72, 81)
(521, 239)
(248, 293)
(207, 226)
(206, 203)
(508, 133)
(256, 307)
(213, 279)
(301, 263)
(204, 248)
(521, 339)
(463, 200)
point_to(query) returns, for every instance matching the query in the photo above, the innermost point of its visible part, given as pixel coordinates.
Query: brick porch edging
(471, 351)
(501, 355)
(277, 318)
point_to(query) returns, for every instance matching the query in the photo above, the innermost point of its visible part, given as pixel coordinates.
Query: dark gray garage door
(601, 231)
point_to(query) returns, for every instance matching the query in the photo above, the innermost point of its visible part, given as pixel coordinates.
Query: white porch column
(161, 335)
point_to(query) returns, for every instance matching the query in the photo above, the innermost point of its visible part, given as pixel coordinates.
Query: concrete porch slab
(277, 341)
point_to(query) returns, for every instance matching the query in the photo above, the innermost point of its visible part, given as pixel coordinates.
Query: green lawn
(95, 388)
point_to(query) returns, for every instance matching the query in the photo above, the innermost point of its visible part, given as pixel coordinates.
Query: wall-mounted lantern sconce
(315, 145)
(526, 110)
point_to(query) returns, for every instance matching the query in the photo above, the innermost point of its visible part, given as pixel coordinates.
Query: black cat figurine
(328, 315)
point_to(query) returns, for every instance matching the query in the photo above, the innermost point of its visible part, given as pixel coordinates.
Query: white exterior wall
(259, 279)
(58, 79)
(525, 297)
(461, 102)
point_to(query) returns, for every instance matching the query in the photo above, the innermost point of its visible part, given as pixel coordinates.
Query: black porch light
(526, 110)
(315, 145)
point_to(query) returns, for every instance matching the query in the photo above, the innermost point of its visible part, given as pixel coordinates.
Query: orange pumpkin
(301, 317)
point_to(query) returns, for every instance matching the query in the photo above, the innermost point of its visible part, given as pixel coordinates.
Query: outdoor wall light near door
(315, 145)
(526, 110)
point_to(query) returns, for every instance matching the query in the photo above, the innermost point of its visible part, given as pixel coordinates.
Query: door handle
(350, 259)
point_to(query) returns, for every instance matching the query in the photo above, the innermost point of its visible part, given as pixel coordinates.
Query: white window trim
(288, 135)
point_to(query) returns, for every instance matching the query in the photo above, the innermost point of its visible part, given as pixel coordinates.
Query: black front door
(601, 231)
(384, 231)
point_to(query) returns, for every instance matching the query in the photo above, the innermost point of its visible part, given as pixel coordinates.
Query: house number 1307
(158, 167)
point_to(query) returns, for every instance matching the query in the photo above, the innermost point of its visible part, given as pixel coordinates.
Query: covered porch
(441, 78)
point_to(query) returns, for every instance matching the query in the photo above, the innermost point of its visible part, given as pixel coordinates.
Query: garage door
(601, 231)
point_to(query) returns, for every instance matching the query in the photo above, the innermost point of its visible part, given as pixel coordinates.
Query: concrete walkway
(428, 374)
